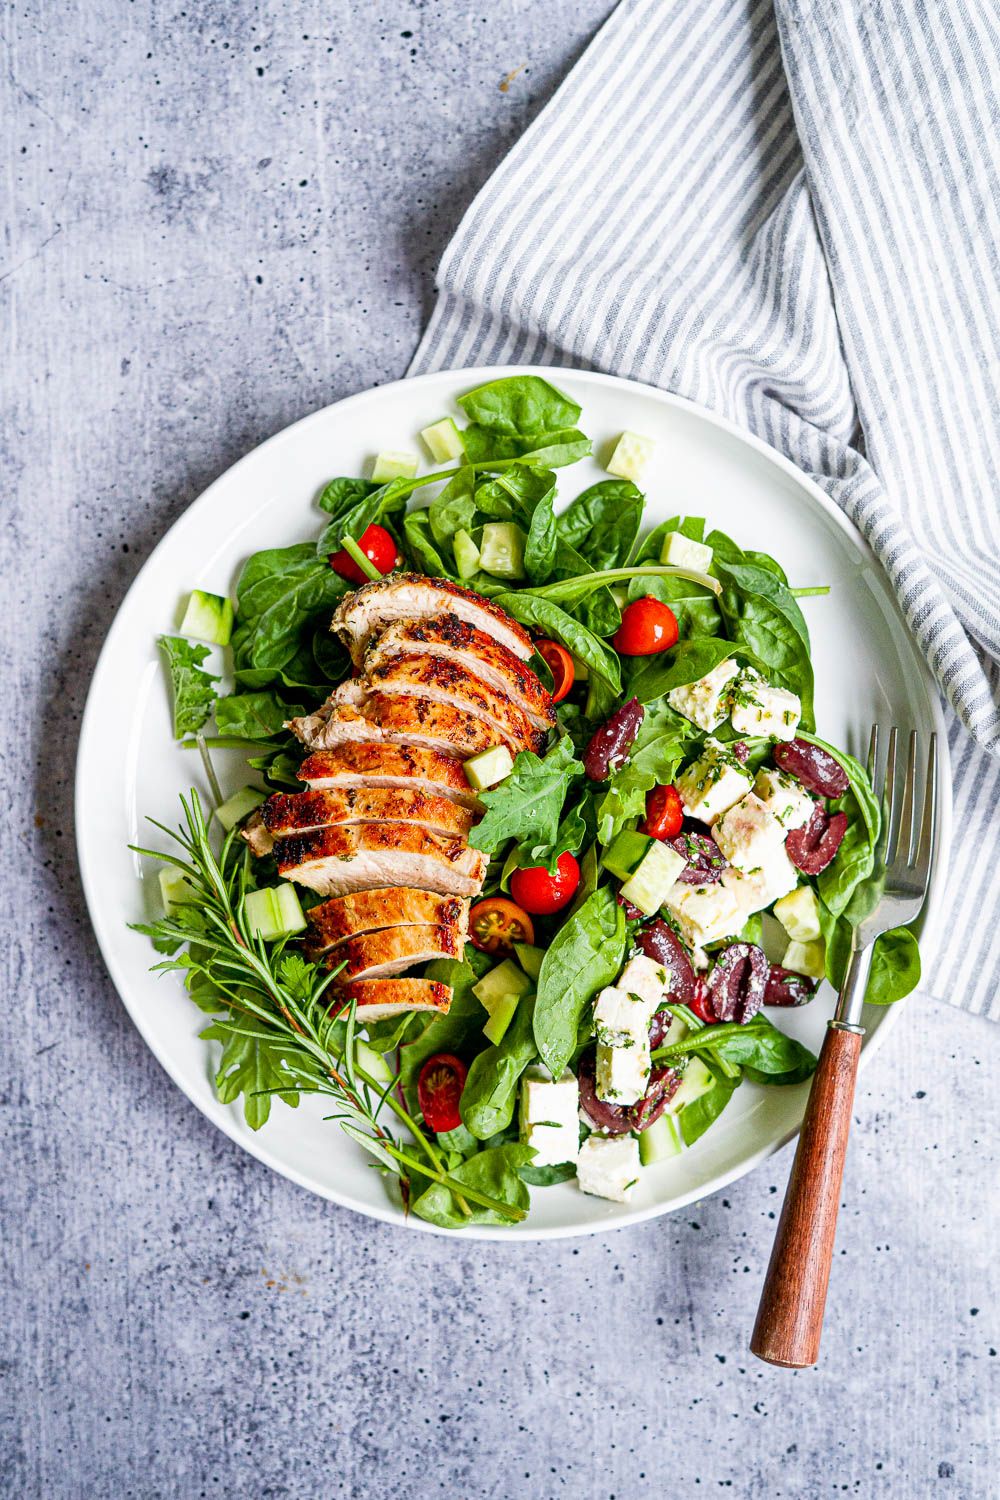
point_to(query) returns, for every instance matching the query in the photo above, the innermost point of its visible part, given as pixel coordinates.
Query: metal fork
(790, 1316)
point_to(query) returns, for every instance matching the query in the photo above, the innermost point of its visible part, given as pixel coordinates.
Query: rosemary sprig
(275, 997)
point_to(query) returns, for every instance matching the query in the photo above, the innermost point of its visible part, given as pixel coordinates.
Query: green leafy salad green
(667, 867)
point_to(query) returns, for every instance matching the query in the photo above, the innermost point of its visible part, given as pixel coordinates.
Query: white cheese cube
(706, 702)
(754, 891)
(747, 833)
(622, 1072)
(798, 914)
(704, 913)
(644, 977)
(783, 796)
(608, 1166)
(713, 783)
(679, 551)
(550, 1117)
(620, 1020)
(806, 958)
(758, 709)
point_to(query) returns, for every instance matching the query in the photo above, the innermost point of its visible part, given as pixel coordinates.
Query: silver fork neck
(850, 1005)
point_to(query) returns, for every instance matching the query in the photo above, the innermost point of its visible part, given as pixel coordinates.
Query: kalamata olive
(786, 988)
(741, 750)
(661, 1088)
(738, 981)
(705, 860)
(660, 943)
(812, 847)
(611, 743)
(814, 767)
(617, 1119)
(632, 913)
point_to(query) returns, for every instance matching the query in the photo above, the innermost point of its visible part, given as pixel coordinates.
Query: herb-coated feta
(679, 551)
(758, 709)
(747, 833)
(608, 1166)
(550, 1117)
(713, 783)
(785, 797)
(622, 1072)
(754, 891)
(704, 913)
(706, 702)
(644, 977)
(620, 1018)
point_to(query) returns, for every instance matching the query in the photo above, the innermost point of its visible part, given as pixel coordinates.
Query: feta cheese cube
(644, 977)
(550, 1117)
(798, 914)
(806, 958)
(747, 833)
(619, 1019)
(758, 709)
(754, 891)
(608, 1166)
(713, 783)
(679, 551)
(706, 702)
(622, 1072)
(785, 797)
(704, 913)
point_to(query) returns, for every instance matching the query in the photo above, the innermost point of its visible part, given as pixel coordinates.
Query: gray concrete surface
(216, 218)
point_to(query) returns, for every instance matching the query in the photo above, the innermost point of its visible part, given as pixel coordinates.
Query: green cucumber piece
(208, 617)
(467, 557)
(654, 878)
(238, 806)
(632, 454)
(697, 1080)
(274, 912)
(530, 959)
(501, 1016)
(506, 979)
(625, 854)
(659, 1141)
(175, 889)
(372, 1062)
(501, 552)
(390, 465)
(444, 441)
(489, 767)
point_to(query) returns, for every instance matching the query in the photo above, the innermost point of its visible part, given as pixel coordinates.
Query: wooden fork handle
(790, 1316)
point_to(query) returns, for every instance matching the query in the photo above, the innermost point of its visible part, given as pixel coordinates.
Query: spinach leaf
(454, 509)
(277, 596)
(760, 612)
(519, 404)
(603, 522)
(547, 1176)
(419, 543)
(689, 661)
(895, 971)
(553, 449)
(490, 1092)
(383, 503)
(495, 1172)
(694, 608)
(765, 1054)
(454, 1032)
(528, 803)
(255, 716)
(542, 544)
(695, 1118)
(854, 860)
(585, 955)
(192, 693)
(340, 496)
(530, 609)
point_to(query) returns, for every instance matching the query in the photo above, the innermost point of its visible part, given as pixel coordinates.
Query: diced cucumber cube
(372, 1062)
(175, 889)
(390, 465)
(500, 1018)
(508, 978)
(444, 441)
(530, 959)
(654, 878)
(632, 454)
(697, 1080)
(798, 914)
(208, 617)
(679, 551)
(238, 806)
(659, 1141)
(467, 555)
(806, 958)
(489, 767)
(274, 912)
(502, 550)
(626, 852)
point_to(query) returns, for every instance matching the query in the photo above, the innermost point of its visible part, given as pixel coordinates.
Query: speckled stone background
(216, 218)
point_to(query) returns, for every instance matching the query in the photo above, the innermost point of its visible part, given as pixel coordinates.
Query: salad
(536, 838)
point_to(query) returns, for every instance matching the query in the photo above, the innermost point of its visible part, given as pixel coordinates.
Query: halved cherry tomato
(560, 664)
(379, 548)
(647, 627)
(541, 893)
(701, 1004)
(439, 1089)
(496, 924)
(664, 813)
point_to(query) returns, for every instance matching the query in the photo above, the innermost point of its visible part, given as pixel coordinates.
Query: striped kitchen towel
(789, 211)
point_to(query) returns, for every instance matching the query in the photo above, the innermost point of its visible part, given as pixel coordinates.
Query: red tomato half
(496, 924)
(560, 664)
(647, 627)
(379, 548)
(439, 1089)
(541, 893)
(664, 813)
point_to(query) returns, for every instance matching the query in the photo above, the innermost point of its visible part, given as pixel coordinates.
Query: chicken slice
(456, 640)
(410, 596)
(379, 955)
(300, 812)
(379, 764)
(361, 856)
(344, 917)
(441, 680)
(419, 722)
(378, 999)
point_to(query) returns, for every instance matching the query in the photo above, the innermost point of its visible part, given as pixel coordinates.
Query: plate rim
(219, 1115)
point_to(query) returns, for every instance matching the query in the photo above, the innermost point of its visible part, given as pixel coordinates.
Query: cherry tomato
(701, 1004)
(647, 627)
(664, 813)
(560, 664)
(541, 893)
(496, 924)
(439, 1089)
(379, 548)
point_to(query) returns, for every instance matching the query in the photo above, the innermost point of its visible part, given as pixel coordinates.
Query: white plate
(867, 668)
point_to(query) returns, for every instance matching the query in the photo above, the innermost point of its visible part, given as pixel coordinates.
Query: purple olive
(660, 943)
(705, 860)
(787, 988)
(741, 750)
(611, 743)
(618, 1119)
(632, 913)
(814, 767)
(812, 847)
(738, 981)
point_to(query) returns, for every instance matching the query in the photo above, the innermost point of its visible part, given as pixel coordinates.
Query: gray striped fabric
(789, 211)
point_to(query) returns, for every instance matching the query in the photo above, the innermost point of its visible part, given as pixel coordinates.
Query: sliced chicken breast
(361, 856)
(419, 722)
(378, 999)
(457, 640)
(300, 812)
(440, 680)
(380, 764)
(379, 955)
(410, 596)
(342, 917)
